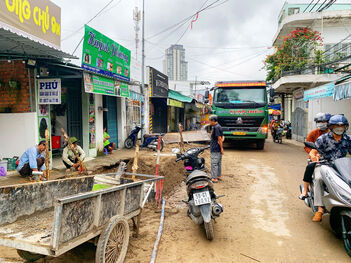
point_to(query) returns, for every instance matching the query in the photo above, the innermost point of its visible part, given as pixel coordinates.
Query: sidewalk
(93, 165)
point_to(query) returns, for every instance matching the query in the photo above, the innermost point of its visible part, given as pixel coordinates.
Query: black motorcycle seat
(197, 174)
(343, 166)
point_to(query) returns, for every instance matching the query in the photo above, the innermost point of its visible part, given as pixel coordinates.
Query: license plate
(239, 133)
(202, 198)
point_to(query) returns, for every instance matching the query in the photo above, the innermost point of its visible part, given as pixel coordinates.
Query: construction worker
(33, 159)
(69, 158)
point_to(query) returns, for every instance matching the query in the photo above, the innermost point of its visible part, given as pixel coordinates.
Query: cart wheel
(28, 256)
(113, 242)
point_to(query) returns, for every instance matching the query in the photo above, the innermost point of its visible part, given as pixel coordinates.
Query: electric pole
(142, 68)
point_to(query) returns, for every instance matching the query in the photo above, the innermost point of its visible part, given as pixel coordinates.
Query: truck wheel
(113, 241)
(260, 145)
(28, 256)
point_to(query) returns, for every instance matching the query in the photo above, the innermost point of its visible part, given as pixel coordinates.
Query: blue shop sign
(135, 96)
(323, 91)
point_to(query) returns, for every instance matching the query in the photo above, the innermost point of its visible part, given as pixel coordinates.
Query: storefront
(33, 83)
(106, 80)
(158, 88)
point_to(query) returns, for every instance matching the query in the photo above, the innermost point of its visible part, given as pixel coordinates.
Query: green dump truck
(242, 110)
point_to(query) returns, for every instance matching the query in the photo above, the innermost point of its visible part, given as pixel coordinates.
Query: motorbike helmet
(322, 117)
(276, 115)
(338, 120)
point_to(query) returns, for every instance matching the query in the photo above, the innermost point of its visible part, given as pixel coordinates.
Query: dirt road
(263, 220)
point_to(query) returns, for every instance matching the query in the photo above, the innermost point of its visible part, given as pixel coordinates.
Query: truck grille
(247, 124)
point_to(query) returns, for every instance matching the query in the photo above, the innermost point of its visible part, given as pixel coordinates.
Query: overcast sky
(227, 42)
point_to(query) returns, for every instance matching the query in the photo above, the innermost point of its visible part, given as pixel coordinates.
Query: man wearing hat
(68, 157)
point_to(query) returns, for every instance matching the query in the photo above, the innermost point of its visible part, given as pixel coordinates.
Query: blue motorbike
(149, 140)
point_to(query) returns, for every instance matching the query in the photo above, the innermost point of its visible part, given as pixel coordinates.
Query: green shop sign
(106, 86)
(104, 56)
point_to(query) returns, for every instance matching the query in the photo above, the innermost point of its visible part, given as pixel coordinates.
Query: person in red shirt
(321, 120)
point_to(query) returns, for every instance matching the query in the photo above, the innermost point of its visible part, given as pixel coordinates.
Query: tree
(300, 48)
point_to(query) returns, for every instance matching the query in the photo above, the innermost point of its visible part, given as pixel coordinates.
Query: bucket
(11, 163)
(3, 167)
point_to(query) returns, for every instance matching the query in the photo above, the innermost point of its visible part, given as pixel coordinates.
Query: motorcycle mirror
(310, 145)
(175, 150)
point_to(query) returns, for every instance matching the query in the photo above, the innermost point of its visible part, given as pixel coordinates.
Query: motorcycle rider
(321, 120)
(275, 123)
(332, 145)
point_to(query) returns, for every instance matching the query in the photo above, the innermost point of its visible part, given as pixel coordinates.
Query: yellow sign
(239, 133)
(175, 103)
(39, 18)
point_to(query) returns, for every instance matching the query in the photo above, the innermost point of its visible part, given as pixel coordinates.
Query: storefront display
(92, 126)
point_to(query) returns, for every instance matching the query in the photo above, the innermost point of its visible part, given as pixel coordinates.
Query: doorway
(110, 117)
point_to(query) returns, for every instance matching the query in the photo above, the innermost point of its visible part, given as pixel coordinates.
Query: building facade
(291, 87)
(175, 66)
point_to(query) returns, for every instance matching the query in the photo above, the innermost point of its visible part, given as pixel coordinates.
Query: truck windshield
(228, 97)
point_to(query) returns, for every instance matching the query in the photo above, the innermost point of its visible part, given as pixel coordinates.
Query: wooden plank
(48, 154)
(132, 199)
(77, 218)
(188, 136)
(26, 199)
(135, 163)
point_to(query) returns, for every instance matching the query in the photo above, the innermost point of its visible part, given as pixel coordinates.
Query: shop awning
(14, 42)
(178, 96)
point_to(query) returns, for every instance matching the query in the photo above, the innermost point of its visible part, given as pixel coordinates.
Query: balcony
(315, 21)
(290, 81)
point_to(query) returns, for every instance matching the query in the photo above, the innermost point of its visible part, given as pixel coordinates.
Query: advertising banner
(104, 56)
(49, 91)
(92, 129)
(39, 18)
(323, 91)
(158, 84)
(105, 86)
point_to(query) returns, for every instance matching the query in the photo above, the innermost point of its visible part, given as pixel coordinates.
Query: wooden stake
(84, 169)
(181, 143)
(135, 163)
(48, 154)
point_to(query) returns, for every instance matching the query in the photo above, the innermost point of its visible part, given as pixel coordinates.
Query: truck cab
(242, 110)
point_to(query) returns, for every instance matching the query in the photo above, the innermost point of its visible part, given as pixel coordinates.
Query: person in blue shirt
(32, 159)
(331, 146)
(216, 147)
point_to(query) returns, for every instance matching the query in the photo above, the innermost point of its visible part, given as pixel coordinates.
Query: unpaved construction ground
(263, 220)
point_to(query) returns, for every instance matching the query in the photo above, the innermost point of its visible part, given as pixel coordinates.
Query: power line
(308, 6)
(321, 5)
(331, 2)
(314, 5)
(183, 20)
(78, 30)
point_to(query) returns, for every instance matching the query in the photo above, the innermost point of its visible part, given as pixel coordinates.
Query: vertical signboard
(49, 91)
(92, 125)
(158, 84)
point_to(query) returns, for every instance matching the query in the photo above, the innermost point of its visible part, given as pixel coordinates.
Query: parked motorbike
(149, 140)
(202, 199)
(288, 134)
(337, 197)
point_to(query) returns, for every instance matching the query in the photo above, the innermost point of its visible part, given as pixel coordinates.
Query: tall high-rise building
(174, 64)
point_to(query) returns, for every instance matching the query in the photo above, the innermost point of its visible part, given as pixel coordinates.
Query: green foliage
(299, 48)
